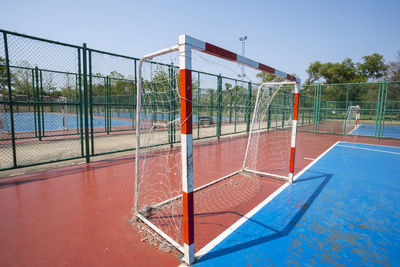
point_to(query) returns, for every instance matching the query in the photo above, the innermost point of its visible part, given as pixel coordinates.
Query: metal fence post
(80, 102)
(248, 108)
(219, 105)
(91, 102)
(211, 106)
(85, 101)
(133, 116)
(41, 101)
(34, 102)
(198, 105)
(14, 151)
(37, 100)
(377, 109)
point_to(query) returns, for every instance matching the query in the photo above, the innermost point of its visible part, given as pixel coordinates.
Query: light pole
(243, 40)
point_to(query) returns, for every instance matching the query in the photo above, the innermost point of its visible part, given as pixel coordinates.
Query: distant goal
(211, 180)
(352, 120)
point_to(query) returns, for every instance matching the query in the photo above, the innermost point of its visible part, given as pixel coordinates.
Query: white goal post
(144, 132)
(64, 112)
(352, 120)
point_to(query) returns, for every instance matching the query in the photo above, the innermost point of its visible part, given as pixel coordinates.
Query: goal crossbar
(185, 45)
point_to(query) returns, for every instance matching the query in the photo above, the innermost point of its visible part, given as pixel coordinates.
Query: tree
(48, 83)
(393, 72)
(373, 67)
(68, 90)
(314, 72)
(266, 77)
(22, 79)
(3, 76)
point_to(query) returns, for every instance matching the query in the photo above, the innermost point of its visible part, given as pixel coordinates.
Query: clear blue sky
(287, 35)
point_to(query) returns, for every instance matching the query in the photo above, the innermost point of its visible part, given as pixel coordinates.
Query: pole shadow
(277, 233)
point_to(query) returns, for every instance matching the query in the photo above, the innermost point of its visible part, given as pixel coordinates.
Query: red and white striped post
(294, 130)
(186, 44)
(185, 64)
(358, 115)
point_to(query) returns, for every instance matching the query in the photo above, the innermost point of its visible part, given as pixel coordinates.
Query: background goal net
(269, 140)
(352, 121)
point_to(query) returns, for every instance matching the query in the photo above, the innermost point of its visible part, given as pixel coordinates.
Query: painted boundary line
(241, 221)
(369, 144)
(315, 161)
(351, 132)
(371, 149)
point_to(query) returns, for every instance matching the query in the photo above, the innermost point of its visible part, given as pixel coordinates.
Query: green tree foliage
(393, 73)
(266, 77)
(3, 76)
(371, 68)
(69, 90)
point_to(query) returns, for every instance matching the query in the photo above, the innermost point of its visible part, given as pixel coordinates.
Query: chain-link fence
(60, 101)
(324, 108)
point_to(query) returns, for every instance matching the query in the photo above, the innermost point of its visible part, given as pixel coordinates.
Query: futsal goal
(213, 180)
(352, 120)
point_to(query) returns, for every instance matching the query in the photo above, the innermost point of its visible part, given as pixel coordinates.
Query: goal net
(189, 188)
(269, 141)
(64, 111)
(352, 121)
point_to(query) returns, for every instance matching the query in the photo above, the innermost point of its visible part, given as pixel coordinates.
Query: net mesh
(223, 192)
(160, 157)
(268, 149)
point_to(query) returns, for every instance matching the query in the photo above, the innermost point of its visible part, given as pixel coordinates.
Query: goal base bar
(165, 202)
(276, 176)
(161, 233)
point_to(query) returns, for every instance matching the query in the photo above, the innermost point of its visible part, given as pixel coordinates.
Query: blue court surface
(369, 130)
(25, 122)
(342, 211)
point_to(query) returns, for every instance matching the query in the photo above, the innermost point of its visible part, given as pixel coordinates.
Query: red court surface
(78, 216)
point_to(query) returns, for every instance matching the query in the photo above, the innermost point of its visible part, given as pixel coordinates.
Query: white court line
(368, 144)
(370, 149)
(309, 158)
(351, 132)
(242, 220)
(237, 224)
(315, 161)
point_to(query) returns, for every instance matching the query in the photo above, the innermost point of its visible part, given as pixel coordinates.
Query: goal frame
(185, 46)
(356, 119)
(294, 131)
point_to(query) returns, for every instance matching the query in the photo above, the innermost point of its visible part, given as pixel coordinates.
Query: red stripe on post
(291, 78)
(186, 100)
(266, 68)
(188, 218)
(291, 167)
(220, 52)
(296, 106)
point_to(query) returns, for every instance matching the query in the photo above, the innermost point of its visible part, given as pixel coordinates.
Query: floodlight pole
(243, 40)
